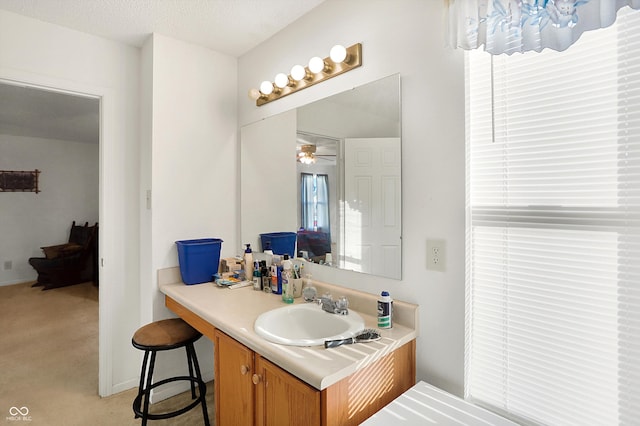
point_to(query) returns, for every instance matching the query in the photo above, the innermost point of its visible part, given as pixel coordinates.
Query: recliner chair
(71, 263)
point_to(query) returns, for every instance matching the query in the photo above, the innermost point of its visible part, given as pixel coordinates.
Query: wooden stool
(162, 336)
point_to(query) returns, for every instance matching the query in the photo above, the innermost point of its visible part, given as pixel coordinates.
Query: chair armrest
(61, 250)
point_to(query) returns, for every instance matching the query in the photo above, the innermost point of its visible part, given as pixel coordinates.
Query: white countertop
(234, 312)
(425, 404)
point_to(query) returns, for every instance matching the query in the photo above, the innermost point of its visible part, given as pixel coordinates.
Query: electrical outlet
(8, 265)
(436, 259)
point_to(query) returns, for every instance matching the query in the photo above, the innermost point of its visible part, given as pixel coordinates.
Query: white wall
(42, 54)
(69, 191)
(194, 156)
(404, 36)
(268, 178)
(192, 162)
(169, 125)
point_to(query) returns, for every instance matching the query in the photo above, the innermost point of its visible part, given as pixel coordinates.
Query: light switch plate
(436, 255)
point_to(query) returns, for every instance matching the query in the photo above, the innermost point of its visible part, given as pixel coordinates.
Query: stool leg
(147, 390)
(143, 374)
(201, 385)
(189, 362)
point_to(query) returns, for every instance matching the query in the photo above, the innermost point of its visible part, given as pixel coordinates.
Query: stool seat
(165, 334)
(161, 336)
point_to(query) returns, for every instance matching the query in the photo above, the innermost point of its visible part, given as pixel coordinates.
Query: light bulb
(338, 54)
(254, 94)
(308, 159)
(281, 80)
(316, 64)
(266, 87)
(298, 72)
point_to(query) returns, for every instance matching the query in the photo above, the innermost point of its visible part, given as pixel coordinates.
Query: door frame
(106, 299)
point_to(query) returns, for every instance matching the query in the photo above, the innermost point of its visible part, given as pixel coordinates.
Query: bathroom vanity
(263, 383)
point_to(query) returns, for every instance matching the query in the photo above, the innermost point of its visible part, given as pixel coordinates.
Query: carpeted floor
(49, 363)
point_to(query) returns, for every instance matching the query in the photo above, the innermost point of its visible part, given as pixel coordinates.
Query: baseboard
(166, 391)
(14, 282)
(172, 389)
(123, 386)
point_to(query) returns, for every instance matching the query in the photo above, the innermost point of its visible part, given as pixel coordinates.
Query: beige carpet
(49, 363)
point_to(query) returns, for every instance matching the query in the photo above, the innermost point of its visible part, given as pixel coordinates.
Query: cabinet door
(234, 390)
(282, 399)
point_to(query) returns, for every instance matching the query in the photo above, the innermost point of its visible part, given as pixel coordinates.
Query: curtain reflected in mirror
(315, 202)
(314, 234)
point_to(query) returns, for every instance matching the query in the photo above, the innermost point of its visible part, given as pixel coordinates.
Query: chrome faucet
(339, 306)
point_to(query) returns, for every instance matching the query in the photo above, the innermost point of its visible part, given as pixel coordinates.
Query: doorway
(58, 132)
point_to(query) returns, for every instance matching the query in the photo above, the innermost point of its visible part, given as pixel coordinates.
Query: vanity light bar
(340, 61)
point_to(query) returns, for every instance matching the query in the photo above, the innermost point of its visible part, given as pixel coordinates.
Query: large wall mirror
(330, 171)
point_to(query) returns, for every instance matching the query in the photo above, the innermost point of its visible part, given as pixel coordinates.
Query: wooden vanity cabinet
(250, 390)
(233, 389)
(282, 399)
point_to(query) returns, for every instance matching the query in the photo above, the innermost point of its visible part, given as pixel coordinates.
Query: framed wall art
(19, 181)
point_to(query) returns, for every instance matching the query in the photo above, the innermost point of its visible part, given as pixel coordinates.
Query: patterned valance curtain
(509, 26)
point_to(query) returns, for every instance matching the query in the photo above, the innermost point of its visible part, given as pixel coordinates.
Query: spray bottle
(287, 280)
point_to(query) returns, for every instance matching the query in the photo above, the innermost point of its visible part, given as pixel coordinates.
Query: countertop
(234, 311)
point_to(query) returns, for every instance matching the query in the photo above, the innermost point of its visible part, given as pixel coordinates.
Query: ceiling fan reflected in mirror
(307, 154)
(311, 148)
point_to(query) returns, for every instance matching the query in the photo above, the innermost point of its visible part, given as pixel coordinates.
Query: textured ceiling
(226, 26)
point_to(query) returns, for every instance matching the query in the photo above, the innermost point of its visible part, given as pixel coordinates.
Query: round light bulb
(316, 64)
(254, 94)
(298, 72)
(266, 87)
(281, 80)
(338, 53)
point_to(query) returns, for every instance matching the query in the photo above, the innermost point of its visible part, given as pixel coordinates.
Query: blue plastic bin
(280, 242)
(198, 259)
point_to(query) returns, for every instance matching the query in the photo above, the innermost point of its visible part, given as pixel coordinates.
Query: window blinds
(553, 230)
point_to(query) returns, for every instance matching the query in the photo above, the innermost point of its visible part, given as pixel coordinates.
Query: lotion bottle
(248, 263)
(269, 255)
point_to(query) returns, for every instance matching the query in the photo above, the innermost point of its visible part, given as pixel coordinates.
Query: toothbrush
(366, 335)
(296, 271)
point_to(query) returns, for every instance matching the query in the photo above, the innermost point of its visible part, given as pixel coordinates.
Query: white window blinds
(553, 230)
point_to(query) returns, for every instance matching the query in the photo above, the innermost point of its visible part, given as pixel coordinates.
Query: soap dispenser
(248, 263)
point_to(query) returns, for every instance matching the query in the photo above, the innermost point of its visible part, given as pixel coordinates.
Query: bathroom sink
(306, 325)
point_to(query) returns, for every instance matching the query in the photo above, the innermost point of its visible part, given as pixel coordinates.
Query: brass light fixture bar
(340, 61)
